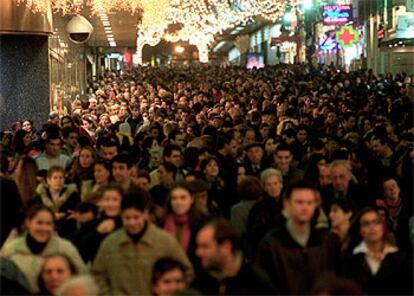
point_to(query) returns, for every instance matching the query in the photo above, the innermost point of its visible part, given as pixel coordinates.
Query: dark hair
(122, 158)
(249, 189)
(224, 231)
(86, 207)
(284, 147)
(139, 200)
(299, 186)
(69, 130)
(206, 161)
(345, 204)
(163, 265)
(169, 167)
(106, 142)
(55, 169)
(144, 174)
(173, 134)
(37, 208)
(71, 265)
(169, 149)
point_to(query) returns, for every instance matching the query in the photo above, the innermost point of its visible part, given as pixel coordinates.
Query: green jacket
(124, 268)
(31, 264)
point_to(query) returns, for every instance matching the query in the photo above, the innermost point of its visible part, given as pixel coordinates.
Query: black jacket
(294, 269)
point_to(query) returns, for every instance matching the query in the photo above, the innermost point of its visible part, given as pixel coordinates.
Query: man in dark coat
(224, 271)
(295, 255)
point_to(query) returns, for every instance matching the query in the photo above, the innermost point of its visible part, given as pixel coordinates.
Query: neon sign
(347, 36)
(336, 14)
(327, 43)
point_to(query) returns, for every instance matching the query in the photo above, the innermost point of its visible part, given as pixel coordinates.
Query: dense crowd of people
(203, 180)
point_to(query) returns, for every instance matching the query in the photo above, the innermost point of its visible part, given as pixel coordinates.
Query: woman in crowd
(55, 271)
(27, 125)
(340, 216)
(83, 166)
(25, 176)
(90, 235)
(29, 250)
(375, 262)
(61, 199)
(267, 212)
(211, 170)
(182, 220)
(101, 177)
(21, 143)
(168, 277)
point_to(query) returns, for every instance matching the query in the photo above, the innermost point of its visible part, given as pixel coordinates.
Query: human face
(101, 174)
(337, 216)
(72, 140)
(301, 205)
(207, 249)
(273, 186)
(27, 126)
(212, 169)
(66, 123)
(391, 190)
(249, 137)
(143, 183)
(180, 140)
(270, 146)
(170, 282)
(111, 203)
(201, 199)
(56, 181)
(40, 227)
(283, 160)
(163, 176)
(181, 201)
(302, 135)
(376, 146)
(121, 172)
(241, 174)
(372, 227)
(255, 155)
(53, 147)
(85, 158)
(325, 177)
(341, 177)
(55, 271)
(175, 158)
(109, 152)
(134, 220)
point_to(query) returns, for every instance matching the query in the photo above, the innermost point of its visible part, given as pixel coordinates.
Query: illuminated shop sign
(336, 14)
(405, 26)
(327, 43)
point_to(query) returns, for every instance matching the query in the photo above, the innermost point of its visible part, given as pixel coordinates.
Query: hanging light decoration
(75, 6)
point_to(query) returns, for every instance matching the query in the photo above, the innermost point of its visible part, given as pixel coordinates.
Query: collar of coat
(147, 238)
(46, 198)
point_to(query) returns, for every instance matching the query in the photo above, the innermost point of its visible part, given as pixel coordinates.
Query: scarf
(182, 233)
(393, 207)
(34, 246)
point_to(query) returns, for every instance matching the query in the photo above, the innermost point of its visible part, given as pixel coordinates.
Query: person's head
(102, 171)
(53, 145)
(108, 149)
(177, 138)
(168, 276)
(166, 173)
(87, 211)
(199, 190)
(325, 177)
(180, 201)
(217, 243)
(379, 145)
(391, 189)
(341, 175)
(66, 122)
(254, 153)
(249, 189)
(300, 202)
(270, 146)
(371, 227)
(55, 271)
(341, 212)
(143, 180)
(121, 168)
(134, 211)
(55, 178)
(283, 157)
(39, 223)
(210, 167)
(111, 200)
(272, 182)
(70, 136)
(27, 125)
(86, 157)
(173, 154)
(78, 285)
(240, 172)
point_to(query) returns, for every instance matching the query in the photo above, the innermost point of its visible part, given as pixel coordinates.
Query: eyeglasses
(367, 224)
